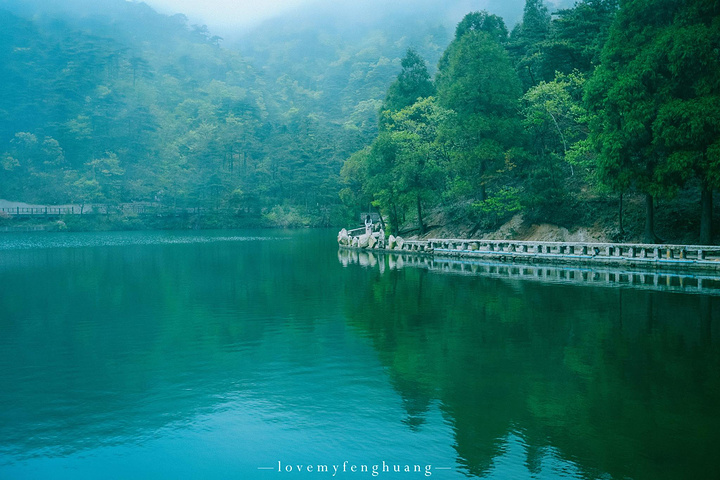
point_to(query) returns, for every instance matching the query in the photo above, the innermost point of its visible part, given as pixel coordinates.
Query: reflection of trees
(110, 343)
(618, 381)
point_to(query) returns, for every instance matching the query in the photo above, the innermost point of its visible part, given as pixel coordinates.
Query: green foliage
(556, 123)
(138, 106)
(421, 156)
(190, 123)
(625, 104)
(412, 83)
(506, 201)
(577, 36)
(645, 120)
(554, 113)
(476, 80)
(402, 167)
(527, 42)
(654, 98)
(492, 25)
(286, 217)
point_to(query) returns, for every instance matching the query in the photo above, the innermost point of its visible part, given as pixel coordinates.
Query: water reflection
(104, 345)
(619, 382)
(706, 284)
(205, 360)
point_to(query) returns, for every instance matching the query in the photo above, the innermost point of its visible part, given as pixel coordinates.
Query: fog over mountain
(232, 19)
(236, 19)
(228, 16)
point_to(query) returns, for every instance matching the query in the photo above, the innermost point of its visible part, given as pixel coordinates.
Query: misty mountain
(342, 56)
(108, 102)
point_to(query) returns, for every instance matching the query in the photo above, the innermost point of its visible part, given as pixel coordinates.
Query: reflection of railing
(607, 277)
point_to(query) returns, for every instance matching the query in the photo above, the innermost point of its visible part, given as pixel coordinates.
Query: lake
(271, 355)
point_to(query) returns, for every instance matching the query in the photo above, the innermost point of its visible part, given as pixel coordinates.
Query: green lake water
(262, 354)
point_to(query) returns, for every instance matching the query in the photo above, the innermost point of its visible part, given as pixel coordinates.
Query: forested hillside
(570, 116)
(113, 102)
(555, 119)
(128, 105)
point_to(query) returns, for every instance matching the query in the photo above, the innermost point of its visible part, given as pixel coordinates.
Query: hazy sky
(228, 13)
(224, 15)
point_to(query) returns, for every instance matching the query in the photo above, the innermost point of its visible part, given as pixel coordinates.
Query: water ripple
(112, 239)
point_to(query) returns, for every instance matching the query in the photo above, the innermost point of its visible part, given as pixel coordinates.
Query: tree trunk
(483, 190)
(649, 235)
(620, 215)
(419, 213)
(394, 220)
(706, 215)
(382, 220)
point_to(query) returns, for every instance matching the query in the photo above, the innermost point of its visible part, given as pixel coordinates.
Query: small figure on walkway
(368, 225)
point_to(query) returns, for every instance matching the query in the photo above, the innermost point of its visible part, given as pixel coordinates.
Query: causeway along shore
(705, 258)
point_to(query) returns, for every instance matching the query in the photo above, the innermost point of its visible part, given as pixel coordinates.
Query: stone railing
(577, 252)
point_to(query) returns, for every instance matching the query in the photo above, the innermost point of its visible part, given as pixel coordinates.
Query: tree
(577, 36)
(493, 25)
(476, 80)
(625, 95)
(421, 158)
(106, 173)
(354, 176)
(381, 161)
(687, 127)
(412, 83)
(555, 121)
(527, 43)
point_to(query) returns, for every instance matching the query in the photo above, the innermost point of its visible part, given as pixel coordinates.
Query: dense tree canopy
(653, 96)
(602, 97)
